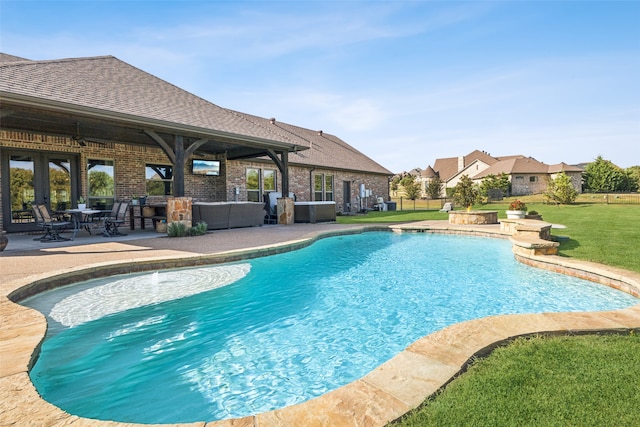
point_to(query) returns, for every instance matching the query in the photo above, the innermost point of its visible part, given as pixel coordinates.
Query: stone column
(285, 211)
(179, 210)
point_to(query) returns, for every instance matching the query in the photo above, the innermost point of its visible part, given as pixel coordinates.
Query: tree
(561, 190)
(634, 173)
(602, 176)
(493, 184)
(630, 182)
(434, 188)
(411, 187)
(465, 192)
(394, 184)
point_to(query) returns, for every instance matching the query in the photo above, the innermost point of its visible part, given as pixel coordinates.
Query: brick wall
(525, 186)
(129, 166)
(301, 182)
(521, 184)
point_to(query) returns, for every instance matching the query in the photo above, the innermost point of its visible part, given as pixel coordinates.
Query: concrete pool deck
(383, 395)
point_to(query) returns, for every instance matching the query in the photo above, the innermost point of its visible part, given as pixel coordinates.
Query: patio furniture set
(217, 215)
(76, 220)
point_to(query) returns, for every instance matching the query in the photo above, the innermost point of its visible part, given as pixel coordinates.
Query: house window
(520, 178)
(159, 180)
(328, 188)
(260, 181)
(323, 187)
(269, 180)
(533, 178)
(101, 183)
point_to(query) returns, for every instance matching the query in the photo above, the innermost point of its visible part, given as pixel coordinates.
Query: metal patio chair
(115, 219)
(51, 226)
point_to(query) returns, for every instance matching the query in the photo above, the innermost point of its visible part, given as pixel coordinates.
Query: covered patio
(96, 103)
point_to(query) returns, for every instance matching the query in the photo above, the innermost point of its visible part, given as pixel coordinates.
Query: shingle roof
(108, 84)
(523, 165)
(563, 167)
(6, 58)
(448, 167)
(429, 172)
(325, 150)
(504, 166)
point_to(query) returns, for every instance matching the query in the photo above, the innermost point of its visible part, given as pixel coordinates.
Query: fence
(610, 198)
(406, 204)
(585, 198)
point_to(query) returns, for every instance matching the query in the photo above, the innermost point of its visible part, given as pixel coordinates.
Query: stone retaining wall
(473, 217)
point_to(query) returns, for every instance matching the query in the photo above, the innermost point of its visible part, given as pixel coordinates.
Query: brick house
(526, 174)
(101, 129)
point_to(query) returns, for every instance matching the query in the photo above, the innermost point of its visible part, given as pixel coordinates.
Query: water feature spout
(154, 279)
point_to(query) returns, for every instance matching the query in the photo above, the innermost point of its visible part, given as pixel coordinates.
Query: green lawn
(553, 381)
(548, 381)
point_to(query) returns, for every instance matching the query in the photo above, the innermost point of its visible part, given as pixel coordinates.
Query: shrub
(179, 229)
(560, 190)
(199, 229)
(176, 229)
(495, 187)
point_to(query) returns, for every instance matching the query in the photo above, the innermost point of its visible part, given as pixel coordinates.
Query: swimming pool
(295, 326)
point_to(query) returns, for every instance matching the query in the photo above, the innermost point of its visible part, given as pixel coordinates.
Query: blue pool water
(288, 328)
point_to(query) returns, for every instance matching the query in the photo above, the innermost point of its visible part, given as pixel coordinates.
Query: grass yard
(548, 381)
(553, 381)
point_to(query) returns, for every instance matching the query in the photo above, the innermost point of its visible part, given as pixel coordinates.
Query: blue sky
(405, 82)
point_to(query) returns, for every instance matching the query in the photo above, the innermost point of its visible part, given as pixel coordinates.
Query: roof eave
(143, 122)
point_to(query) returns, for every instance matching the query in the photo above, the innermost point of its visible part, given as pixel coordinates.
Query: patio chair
(115, 219)
(447, 207)
(271, 216)
(106, 216)
(49, 225)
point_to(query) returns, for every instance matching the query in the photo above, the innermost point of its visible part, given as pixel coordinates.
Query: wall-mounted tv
(205, 167)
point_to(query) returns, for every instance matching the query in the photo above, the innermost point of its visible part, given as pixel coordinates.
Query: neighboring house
(425, 177)
(102, 129)
(526, 174)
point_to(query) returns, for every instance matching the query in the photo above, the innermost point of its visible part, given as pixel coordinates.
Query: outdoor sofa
(219, 215)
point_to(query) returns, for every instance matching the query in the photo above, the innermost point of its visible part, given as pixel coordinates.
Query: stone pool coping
(383, 395)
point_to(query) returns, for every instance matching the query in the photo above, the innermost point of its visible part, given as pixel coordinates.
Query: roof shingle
(324, 150)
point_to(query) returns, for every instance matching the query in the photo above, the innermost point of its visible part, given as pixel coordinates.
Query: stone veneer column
(179, 210)
(285, 211)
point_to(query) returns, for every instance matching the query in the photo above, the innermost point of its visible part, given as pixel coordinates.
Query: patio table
(81, 219)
